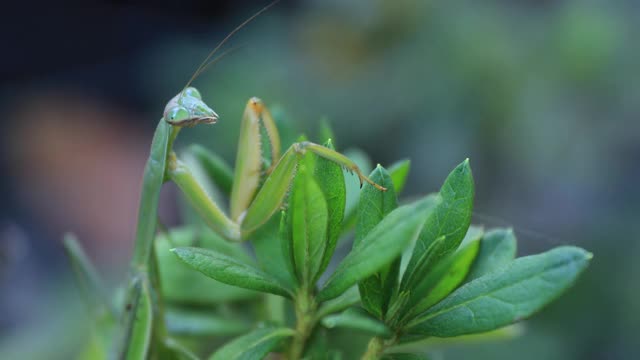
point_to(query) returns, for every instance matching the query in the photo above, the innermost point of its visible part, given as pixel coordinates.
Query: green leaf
(376, 290)
(445, 277)
(410, 343)
(474, 233)
(374, 204)
(267, 243)
(139, 338)
(309, 225)
(414, 292)
(180, 284)
(286, 127)
(218, 170)
(399, 172)
(255, 345)
(192, 322)
(356, 320)
(331, 180)
(275, 309)
(286, 243)
(510, 294)
(497, 249)
(347, 299)
(451, 219)
(205, 237)
(230, 271)
(380, 247)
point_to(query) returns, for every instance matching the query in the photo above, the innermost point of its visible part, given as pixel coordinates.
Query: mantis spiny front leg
(251, 205)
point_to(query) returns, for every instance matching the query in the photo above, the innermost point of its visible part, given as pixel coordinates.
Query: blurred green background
(542, 96)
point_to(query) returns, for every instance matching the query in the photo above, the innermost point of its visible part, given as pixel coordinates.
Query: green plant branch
(306, 319)
(374, 349)
(377, 346)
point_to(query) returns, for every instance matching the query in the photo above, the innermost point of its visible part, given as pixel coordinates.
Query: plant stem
(377, 346)
(306, 318)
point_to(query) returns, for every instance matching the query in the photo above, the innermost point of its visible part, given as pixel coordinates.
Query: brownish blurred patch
(78, 167)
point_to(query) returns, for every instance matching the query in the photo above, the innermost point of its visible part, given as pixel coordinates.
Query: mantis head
(188, 109)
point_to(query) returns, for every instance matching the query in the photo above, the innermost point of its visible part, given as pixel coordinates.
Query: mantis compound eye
(193, 92)
(176, 114)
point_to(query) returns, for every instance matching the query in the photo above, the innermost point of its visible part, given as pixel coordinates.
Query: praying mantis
(251, 205)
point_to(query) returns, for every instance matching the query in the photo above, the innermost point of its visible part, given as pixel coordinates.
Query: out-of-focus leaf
(230, 271)
(411, 343)
(497, 249)
(356, 320)
(510, 294)
(255, 345)
(215, 167)
(399, 172)
(347, 299)
(97, 348)
(179, 351)
(276, 309)
(380, 247)
(286, 129)
(267, 242)
(451, 219)
(202, 323)
(376, 290)
(88, 280)
(318, 347)
(331, 180)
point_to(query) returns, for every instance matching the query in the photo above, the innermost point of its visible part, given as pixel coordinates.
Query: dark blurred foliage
(543, 96)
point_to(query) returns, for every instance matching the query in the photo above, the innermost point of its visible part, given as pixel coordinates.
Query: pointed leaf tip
(231, 271)
(379, 247)
(507, 295)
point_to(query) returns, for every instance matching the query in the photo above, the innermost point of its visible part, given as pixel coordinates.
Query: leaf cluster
(415, 270)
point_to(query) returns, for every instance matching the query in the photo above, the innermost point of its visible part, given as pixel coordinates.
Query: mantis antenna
(205, 63)
(213, 61)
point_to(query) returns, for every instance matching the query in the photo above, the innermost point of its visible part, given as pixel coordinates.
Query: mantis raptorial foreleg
(251, 204)
(180, 174)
